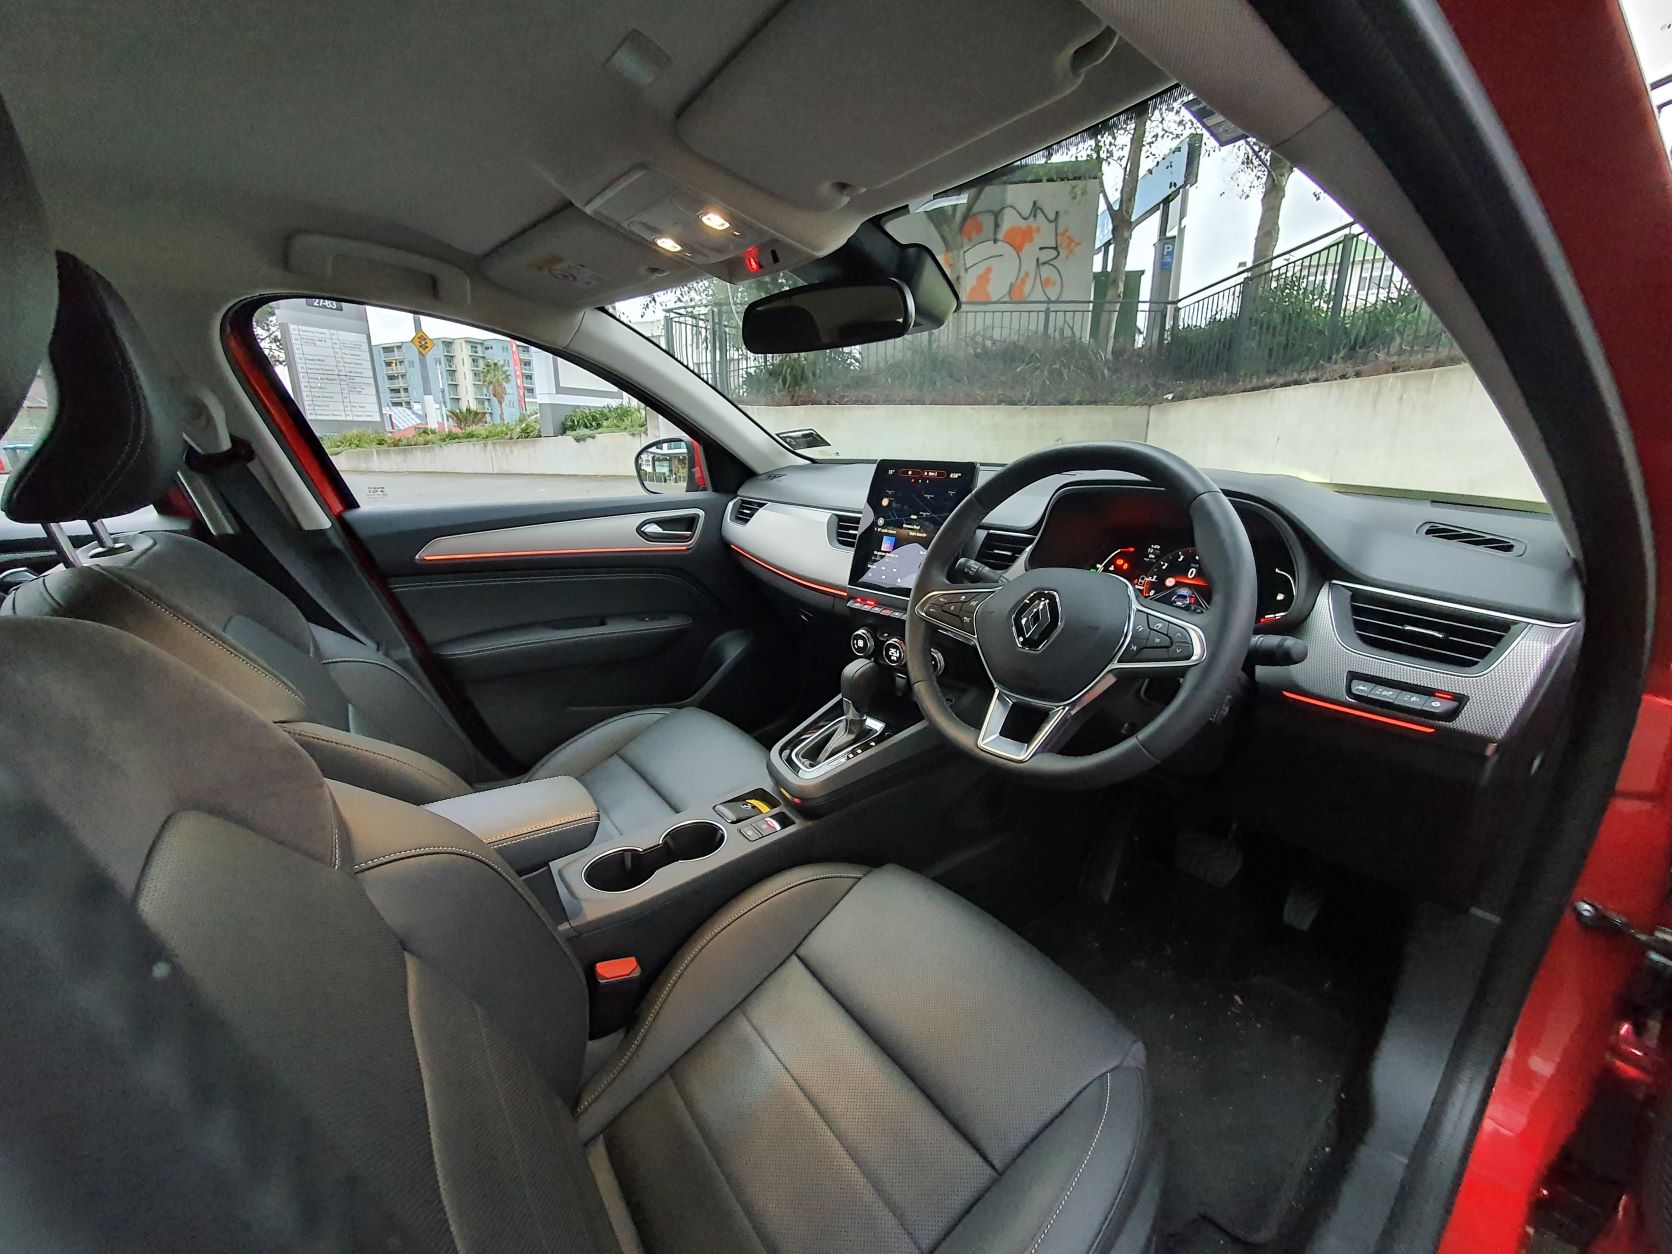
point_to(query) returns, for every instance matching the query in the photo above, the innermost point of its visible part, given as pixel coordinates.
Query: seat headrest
(115, 439)
(28, 284)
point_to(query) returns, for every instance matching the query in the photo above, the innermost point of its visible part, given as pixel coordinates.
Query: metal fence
(1329, 308)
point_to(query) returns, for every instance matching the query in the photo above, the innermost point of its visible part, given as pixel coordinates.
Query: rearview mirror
(664, 466)
(838, 314)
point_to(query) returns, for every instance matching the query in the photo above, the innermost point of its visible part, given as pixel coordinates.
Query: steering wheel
(1055, 639)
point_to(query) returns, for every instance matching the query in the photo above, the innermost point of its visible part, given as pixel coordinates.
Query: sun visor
(793, 114)
(572, 259)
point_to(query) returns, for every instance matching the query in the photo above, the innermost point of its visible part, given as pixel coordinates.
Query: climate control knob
(862, 642)
(894, 653)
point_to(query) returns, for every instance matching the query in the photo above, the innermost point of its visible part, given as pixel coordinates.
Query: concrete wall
(995, 433)
(610, 454)
(1423, 429)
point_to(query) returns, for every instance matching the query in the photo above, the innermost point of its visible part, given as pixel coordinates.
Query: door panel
(551, 616)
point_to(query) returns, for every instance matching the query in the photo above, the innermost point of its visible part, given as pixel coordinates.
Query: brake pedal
(1301, 906)
(1211, 857)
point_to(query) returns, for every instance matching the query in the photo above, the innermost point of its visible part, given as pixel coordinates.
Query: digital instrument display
(908, 504)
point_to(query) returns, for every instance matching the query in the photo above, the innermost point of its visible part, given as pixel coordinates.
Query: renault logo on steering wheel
(1036, 620)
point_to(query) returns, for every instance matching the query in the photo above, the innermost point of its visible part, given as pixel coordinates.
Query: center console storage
(623, 869)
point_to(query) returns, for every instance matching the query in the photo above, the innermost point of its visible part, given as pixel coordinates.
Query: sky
(390, 326)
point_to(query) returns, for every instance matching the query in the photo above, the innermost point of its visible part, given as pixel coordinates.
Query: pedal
(1212, 857)
(1301, 906)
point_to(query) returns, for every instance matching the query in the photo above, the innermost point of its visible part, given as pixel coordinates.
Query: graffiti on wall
(1015, 254)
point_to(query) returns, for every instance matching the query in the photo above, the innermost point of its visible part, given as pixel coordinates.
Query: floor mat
(1247, 1070)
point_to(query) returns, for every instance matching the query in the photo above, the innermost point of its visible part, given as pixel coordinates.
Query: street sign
(1167, 246)
(1167, 178)
(1223, 130)
(422, 343)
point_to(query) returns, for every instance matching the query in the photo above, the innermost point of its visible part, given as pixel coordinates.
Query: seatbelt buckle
(615, 994)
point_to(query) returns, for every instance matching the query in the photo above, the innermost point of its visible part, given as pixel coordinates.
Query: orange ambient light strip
(784, 574)
(1347, 709)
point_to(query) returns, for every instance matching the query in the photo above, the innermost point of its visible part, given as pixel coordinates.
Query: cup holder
(622, 869)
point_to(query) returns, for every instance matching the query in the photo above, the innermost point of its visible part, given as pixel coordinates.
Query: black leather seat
(115, 444)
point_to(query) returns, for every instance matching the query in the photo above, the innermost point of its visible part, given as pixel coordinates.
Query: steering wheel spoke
(1056, 724)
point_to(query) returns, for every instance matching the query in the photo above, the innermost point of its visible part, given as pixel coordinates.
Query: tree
(496, 377)
(1273, 170)
(466, 417)
(266, 324)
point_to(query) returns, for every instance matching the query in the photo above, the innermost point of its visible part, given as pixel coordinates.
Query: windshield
(1158, 277)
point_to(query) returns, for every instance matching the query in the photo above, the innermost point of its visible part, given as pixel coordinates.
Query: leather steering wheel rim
(1222, 633)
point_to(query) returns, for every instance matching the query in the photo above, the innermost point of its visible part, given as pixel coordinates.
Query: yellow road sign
(423, 344)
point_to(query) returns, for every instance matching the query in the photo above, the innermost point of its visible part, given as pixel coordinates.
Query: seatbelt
(233, 474)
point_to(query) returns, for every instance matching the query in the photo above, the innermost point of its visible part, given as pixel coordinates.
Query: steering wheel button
(1180, 649)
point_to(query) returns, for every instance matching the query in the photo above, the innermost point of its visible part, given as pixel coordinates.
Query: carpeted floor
(1248, 1049)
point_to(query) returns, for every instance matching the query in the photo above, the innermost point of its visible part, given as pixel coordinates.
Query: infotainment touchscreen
(907, 504)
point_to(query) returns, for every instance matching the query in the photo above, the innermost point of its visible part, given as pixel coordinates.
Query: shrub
(525, 428)
(583, 424)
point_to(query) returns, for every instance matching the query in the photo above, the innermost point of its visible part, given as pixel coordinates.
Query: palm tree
(495, 376)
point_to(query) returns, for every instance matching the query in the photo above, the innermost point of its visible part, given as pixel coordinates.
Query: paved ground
(431, 489)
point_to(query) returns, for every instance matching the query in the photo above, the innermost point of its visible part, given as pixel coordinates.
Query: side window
(417, 410)
(28, 427)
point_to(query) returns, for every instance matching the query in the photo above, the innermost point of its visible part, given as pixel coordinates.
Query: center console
(873, 731)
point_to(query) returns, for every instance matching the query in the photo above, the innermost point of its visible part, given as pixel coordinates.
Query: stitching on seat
(649, 1019)
(743, 1013)
(581, 735)
(1131, 1162)
(354, 748)
(186, 622)
(542, 829)
(1090, 1149)
(510, 1128)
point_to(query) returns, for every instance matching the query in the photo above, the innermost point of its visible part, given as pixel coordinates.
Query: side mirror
(666, 466)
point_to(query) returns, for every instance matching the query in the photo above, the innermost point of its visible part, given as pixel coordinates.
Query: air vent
(745, 509)
(1000, 549)
(1429, 633)
(1474, 539)
(847, 530)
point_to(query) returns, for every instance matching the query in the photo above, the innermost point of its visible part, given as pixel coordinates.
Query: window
(419, 410)
(1220, 305)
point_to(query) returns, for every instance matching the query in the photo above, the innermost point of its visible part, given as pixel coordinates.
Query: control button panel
(954, 610)
(870, 605)
(1156, 639)
(766, 825)
(1405, 698)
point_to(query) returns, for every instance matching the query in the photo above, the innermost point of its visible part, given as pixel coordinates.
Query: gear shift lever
(862, 684)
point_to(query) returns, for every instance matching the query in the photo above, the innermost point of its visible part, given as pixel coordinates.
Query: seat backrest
(378, 963)
(114, 444)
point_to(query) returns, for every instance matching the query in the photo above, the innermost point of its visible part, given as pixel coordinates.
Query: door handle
(679, 530)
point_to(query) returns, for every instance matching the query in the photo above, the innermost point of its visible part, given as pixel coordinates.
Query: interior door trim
(614, 533)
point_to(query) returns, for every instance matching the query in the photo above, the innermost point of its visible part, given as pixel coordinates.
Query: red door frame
(1565, 82)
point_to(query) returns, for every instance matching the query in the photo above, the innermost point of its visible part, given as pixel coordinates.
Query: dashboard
(1435, 637)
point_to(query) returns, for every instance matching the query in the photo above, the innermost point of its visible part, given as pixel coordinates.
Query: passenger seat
(115, 444)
